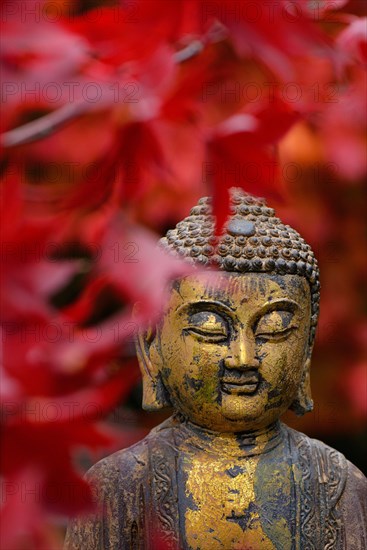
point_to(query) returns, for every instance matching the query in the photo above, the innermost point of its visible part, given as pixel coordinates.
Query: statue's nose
(242, 353)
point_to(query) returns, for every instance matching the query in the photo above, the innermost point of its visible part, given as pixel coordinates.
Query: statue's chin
(246, 412)
(233, 412)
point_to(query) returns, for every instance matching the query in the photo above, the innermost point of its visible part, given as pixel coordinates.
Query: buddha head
(232, 350)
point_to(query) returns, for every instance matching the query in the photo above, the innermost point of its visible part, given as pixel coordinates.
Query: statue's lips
(241, 382)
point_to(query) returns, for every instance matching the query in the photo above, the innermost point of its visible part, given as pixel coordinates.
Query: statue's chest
(235, 503)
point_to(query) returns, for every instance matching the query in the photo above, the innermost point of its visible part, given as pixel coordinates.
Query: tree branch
(189, 51)
(50, 123)
(43, 126)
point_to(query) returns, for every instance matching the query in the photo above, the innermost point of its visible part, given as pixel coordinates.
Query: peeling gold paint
(234, 322)
(214, 334)
(218, 497)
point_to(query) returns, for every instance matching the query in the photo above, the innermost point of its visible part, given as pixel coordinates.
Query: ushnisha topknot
(252, 240)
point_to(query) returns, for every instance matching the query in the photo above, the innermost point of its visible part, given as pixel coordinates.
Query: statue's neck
(240, 444)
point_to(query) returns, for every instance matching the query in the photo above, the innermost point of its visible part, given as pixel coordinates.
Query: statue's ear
(303, 402)
(155, 395)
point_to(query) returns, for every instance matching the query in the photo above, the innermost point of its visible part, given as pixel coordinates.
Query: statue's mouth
(240, 382)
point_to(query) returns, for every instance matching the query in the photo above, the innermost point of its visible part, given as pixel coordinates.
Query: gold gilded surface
(214, 336)
(236, 521)
(231, 354)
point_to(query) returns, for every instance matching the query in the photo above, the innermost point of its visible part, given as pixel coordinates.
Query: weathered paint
(224, 328)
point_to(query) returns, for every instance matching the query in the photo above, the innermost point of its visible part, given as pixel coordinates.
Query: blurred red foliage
(117, 117)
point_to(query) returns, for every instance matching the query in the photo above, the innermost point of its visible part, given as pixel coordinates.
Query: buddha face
(231, 349)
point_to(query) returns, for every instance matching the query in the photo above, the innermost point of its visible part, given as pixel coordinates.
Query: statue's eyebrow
(274, 305)
(202, 304)
(286, 303)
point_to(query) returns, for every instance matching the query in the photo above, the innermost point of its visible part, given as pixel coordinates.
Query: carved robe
(143, 490)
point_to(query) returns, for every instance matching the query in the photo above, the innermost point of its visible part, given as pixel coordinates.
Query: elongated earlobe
(303, 402)
(155, 395)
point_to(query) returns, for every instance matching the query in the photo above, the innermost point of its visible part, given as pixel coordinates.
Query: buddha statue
(230, 355)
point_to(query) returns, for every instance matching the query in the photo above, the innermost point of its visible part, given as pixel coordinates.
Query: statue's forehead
(232, 287)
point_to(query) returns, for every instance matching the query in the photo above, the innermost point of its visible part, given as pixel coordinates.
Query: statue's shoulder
(121, 487)
(329, 465)
(120, 465)
(129, 465)
(323, 451)
(332, 492)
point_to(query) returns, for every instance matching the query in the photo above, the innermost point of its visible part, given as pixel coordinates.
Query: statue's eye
(207, 325)
(275, 325)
